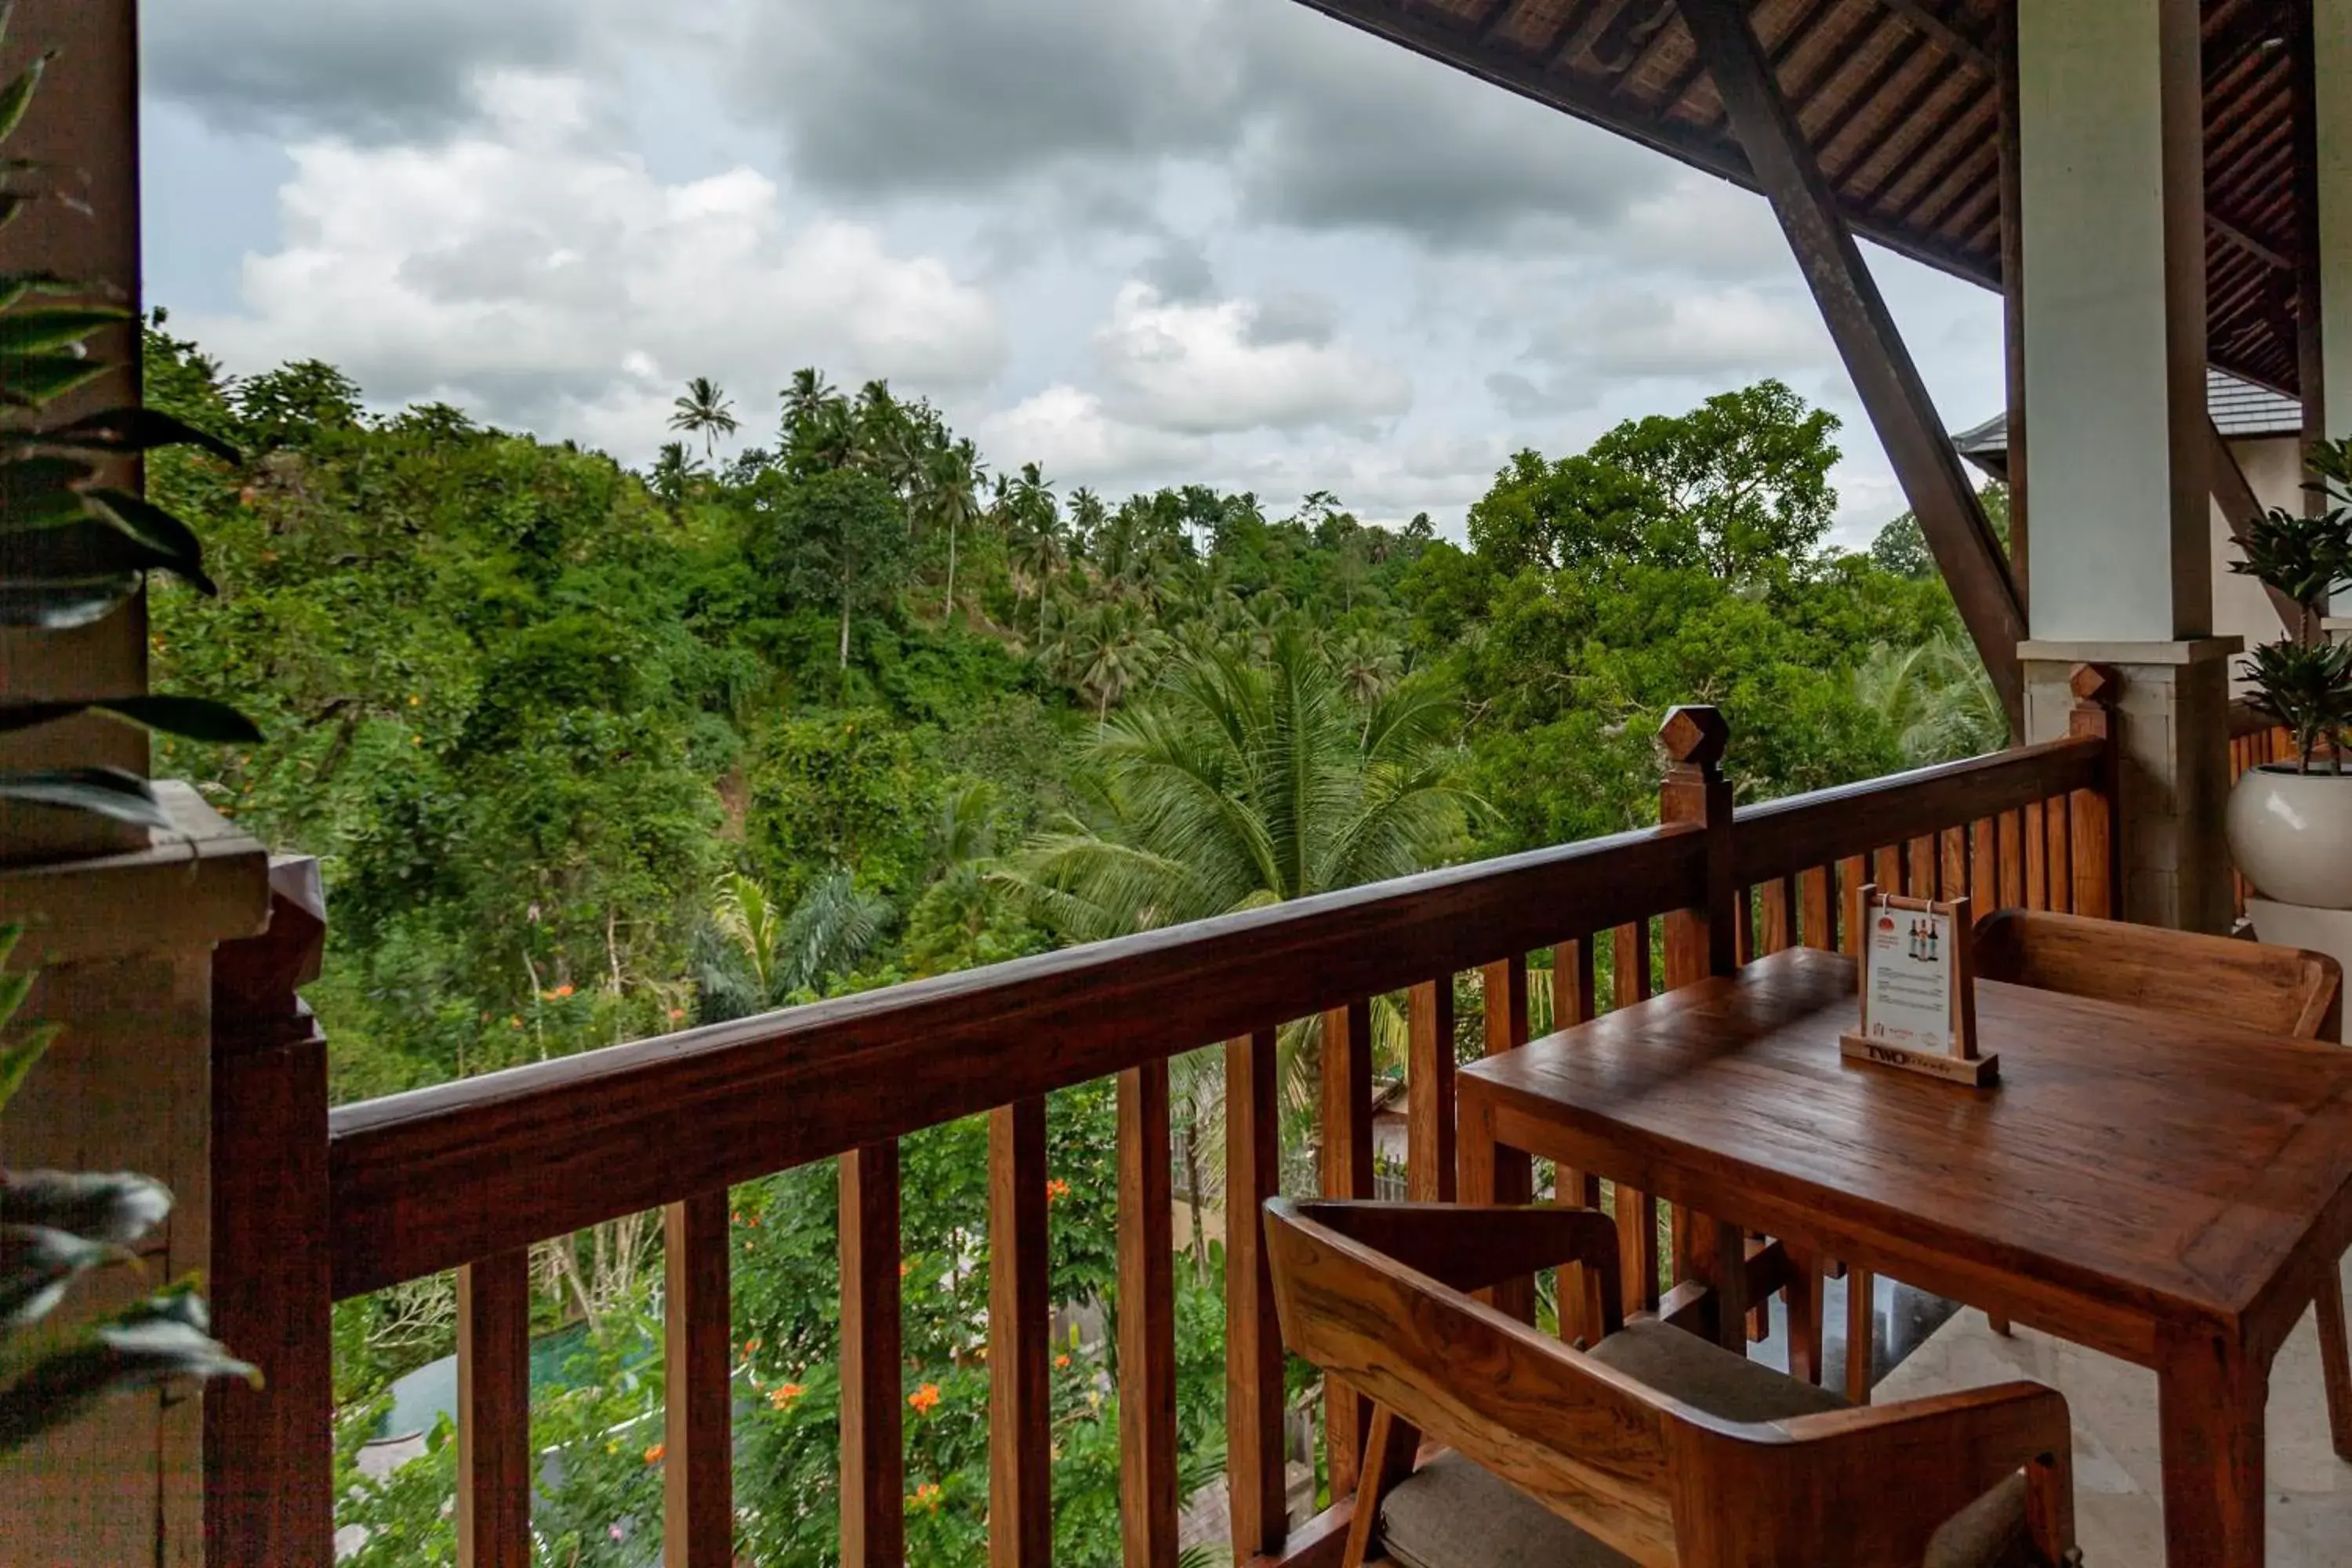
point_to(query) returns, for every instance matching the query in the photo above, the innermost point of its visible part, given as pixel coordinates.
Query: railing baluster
(1984, 866)
(2060, 859)
(1629, 964)
(1147, 1321)
(1572, 998)
(2010, 830)
(2037, 851)
(698, 1350)
(1780, 914)
(1952, 879)
(1344, 1169)
(494, 1412)
(1430, 1157)
(873, 1431)
(1817, 890)
(1887, 869)
(1854, 874)
(1253, 1457)
(1743, 927)
(1020, 1325)
(1510, 1179)
(1922, 884)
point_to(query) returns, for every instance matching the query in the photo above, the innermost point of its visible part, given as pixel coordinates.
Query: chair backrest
(2278, 990)
(1660, 1482)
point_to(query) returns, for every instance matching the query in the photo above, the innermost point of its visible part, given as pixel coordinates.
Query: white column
(2332, 71)
(2110, 119)
(2111, 131)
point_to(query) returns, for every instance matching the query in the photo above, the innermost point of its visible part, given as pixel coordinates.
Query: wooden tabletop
(2131, 1170)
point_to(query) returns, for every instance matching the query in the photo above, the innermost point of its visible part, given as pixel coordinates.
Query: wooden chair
(2278, 990)
(1651, 1447)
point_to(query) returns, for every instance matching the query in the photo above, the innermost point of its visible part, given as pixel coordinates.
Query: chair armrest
(1470, 1247)
(1895, 1473)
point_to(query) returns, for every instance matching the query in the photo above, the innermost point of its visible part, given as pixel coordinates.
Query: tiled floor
(2118, 1480)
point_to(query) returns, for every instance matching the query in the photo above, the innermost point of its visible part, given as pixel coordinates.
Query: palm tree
(672, 477)
(1936, 698)
(1243, 783)
(1367, 664)
(1111, 648)
(705, 409)
(951, 477)
(762, 956)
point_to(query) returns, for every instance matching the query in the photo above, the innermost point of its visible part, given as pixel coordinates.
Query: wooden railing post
(873, 1432)
(2098, 864)
(1020, 1352)
(1147, 1322)
(269, 1452)
(1344, 1164)
(697, 1420)
(1255, 1470)
(494, 1456)
(1700, 942)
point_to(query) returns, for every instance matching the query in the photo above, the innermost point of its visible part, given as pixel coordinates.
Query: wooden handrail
(1782, 837)
(470, 1176)
(428, 1180)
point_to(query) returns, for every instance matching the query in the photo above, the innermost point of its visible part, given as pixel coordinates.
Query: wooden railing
(469, 1175)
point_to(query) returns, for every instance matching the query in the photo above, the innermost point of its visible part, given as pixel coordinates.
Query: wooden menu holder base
(1976, 1072)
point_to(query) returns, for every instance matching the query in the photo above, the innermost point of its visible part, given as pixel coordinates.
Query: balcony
(313, 1206)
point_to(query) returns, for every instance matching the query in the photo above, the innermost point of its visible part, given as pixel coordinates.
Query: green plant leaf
(190, 718)
(95, 546)
(177, 548)
(117, 1208)
(38, 1265)
(63, 603)
(18, 96)
(33, 380)
(17, 1056)
(53, 327)
(118, 1358)
(135, 430)
(103, 792)
(38, 493)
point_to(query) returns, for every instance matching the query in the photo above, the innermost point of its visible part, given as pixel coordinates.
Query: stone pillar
(2172, 727)
(124, 947)
(2111, 129)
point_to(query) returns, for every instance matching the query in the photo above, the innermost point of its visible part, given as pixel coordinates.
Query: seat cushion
(1452, 1513)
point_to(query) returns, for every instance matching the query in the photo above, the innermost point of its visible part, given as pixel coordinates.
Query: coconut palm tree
(756, 955)
(1936, 698)
(1109, 649)
(1243, 783)
(950, 480)
(703, 407)
(672, 477)
(1367, 665)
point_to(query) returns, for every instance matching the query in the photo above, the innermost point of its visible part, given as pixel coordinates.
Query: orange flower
(750, 1345)
(1057, 1190)
(564, 990)
(925, 1399)
(905, 1268)
(1062, 1360)
(783, 1394)
(927, 1496)
(654, 1455)
(678, 1014)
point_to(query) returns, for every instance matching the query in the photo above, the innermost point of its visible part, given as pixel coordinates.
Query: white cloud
(1235, 365)
(534, 273)
(1069, 433)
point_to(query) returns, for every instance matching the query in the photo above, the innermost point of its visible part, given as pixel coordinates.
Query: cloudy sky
(1141, 241)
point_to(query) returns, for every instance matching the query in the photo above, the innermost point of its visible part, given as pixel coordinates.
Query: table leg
(2210, 1401)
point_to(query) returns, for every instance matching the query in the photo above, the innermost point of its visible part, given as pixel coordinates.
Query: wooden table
(2161, 1189)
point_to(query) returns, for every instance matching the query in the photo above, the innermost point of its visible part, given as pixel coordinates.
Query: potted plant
(2290, 823)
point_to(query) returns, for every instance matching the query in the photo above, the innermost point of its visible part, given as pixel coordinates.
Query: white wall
(2274, 466)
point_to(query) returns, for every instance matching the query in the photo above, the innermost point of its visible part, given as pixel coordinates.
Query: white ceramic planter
(2291, 834)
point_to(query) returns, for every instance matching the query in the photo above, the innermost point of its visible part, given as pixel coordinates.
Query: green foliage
(2303, 683)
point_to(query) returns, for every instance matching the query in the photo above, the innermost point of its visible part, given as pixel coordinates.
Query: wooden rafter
(1958, 532)
(2242, 508)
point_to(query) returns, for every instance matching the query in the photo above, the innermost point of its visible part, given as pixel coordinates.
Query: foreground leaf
(119, 1358)
(117, 1208)
(32, 380)
(103, 792)
(175, 543)
(64, 603)
(38, 1265)
(135, 430)
(18, 96)
(38, 493)
(126, 539)
(192, 717)
(31, 331)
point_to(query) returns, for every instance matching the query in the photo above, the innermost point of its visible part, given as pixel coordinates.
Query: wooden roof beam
(1953, 42)
(1958, 534)
(2241, 508)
